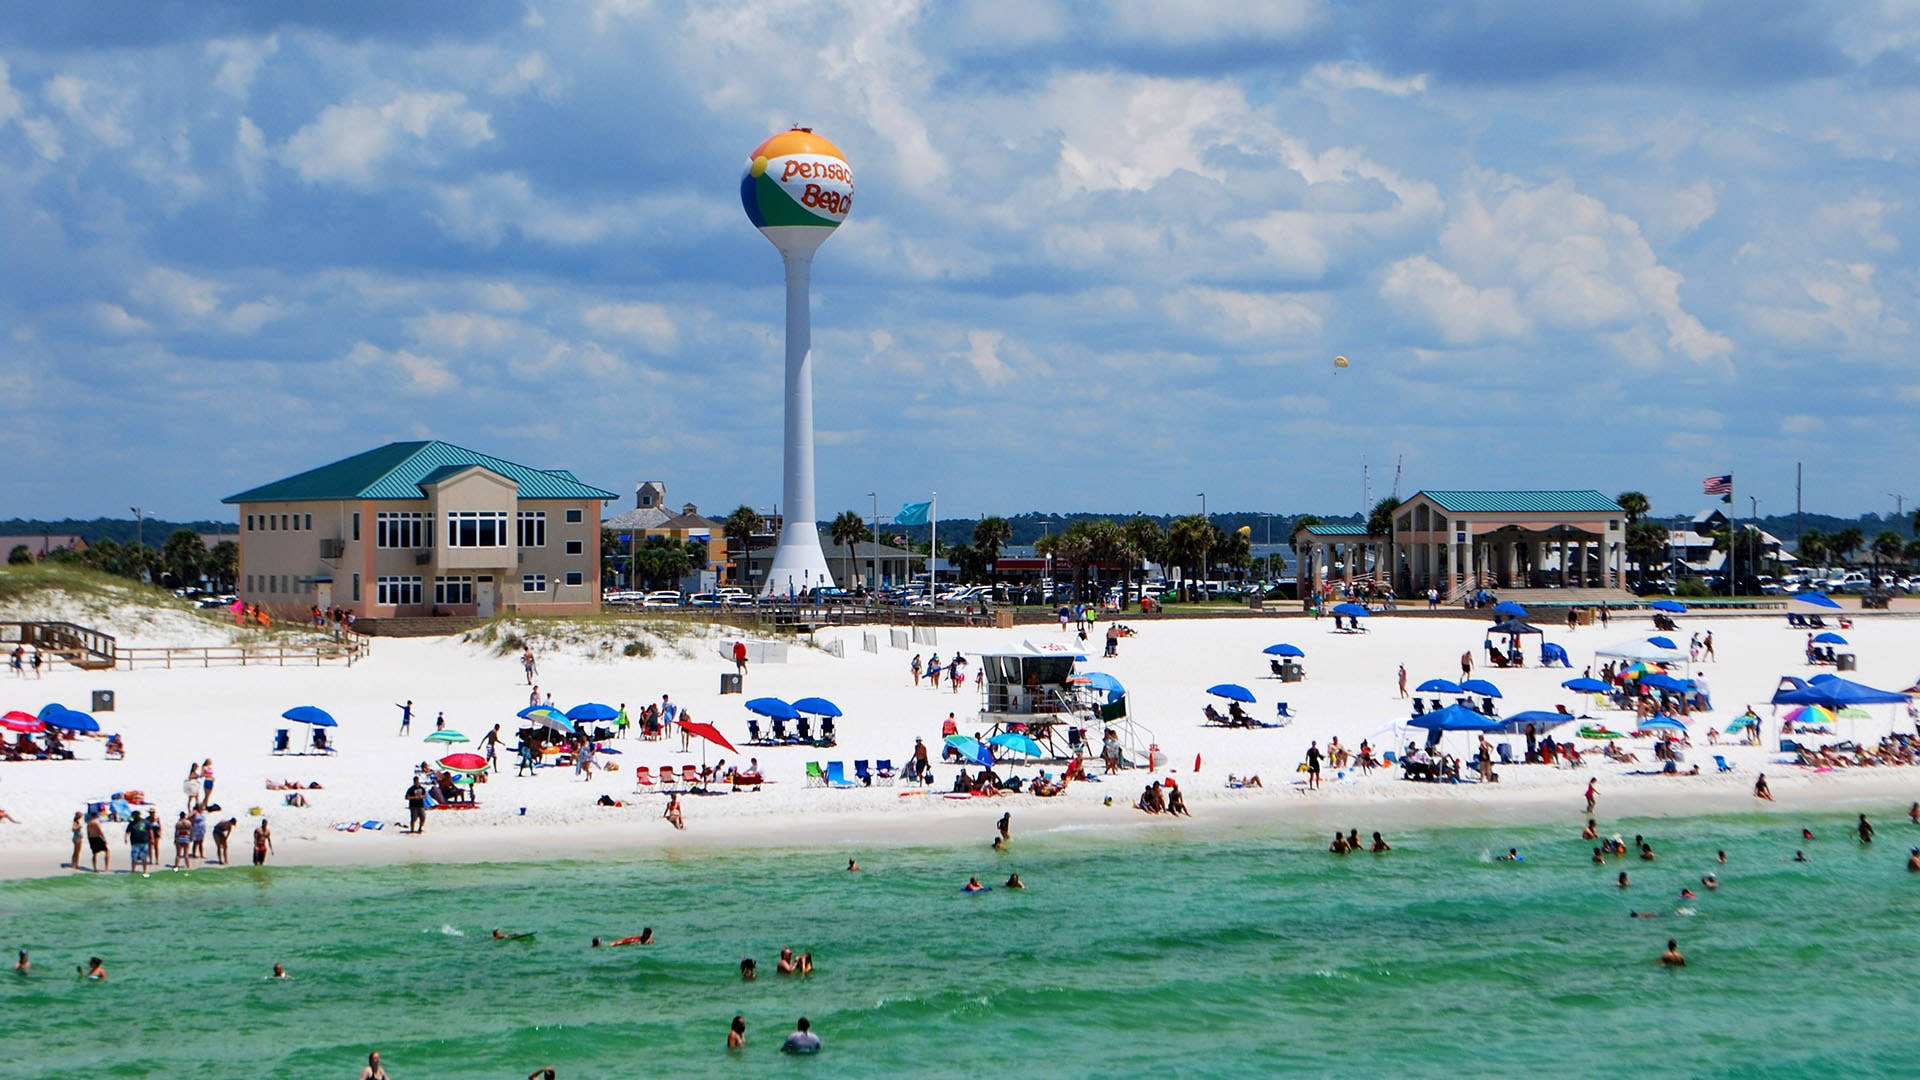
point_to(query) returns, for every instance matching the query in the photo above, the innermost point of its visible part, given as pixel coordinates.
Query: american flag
(1717, 485)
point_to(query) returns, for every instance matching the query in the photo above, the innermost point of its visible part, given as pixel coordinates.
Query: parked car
(665, 598)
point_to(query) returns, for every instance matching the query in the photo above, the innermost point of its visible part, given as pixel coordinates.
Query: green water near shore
(1250, 955)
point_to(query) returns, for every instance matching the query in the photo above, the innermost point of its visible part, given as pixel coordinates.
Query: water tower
(797, 189)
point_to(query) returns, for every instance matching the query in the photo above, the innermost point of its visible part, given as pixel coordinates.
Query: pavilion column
(1563, 562)
(1581, 580)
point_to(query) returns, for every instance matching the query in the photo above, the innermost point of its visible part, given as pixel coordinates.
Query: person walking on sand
(490, 742)
(740, 659)
(406, 717)
(915, 668)
(1313, 766)
(416, 807)
(262, 843)
(527, 666)
(1005, 825)
(79, 837)
(1403, 681)
(1761, 790)
(1706, 647)
(1593, 792)
(1466, 664)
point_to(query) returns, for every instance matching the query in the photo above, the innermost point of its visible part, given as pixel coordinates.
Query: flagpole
(1733, 539)
(933, 541)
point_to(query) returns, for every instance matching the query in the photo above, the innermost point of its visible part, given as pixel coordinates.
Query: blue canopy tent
(1514, 627)
(1284, 649)
(1551, 654)
(1540, 719)
(1837, 693)
(1455, 718)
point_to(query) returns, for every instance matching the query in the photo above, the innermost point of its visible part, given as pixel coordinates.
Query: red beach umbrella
(708, 732)
(25, 723)
(464, 763)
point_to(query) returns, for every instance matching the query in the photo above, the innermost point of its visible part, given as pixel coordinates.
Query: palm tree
(1887, 546)
(1234, 548)
(1380, 518)
(1635, 504)
(739, 529)
(1106, 546)
(1846, 542)
(990, 534)
(1076, 547)
(1189, 541)
(849, 529)
(1812, 549)
(1145, 541)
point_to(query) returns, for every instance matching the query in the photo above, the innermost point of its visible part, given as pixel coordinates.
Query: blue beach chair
(837, 775)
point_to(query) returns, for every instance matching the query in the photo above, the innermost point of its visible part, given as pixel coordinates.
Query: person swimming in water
(1622, 880)
(1643, 914)
(1339, 845)
(499, 935)
(1599, 857)
(1799, 856)
(1710, 881)
(853, 867)
(1865, 830)
(1913, 864)
(973, 885)
(1591, 832)
(1379, 845)
(95, 971)
(748, 969)
(1512, 855)
(1672, 957)
(1806, 834)
(787, 965)
(280, 972)
(737, 1033)
(1686, 894)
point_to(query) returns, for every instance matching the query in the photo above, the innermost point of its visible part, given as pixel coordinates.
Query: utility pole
(873, 583)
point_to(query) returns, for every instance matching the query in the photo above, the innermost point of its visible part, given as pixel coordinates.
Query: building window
(573, 577)
(453, 590)
(400, 529)
(395, 590)
(481, 528)
(249, 582)
(532, 528)
(249, 522)
(533, 583)
(1613, 524)
(574, 517)
(309, 525)
(356, 526)
(573, 547)
(356, 587)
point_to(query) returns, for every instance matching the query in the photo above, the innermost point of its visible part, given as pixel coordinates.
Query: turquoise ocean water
(1252, 954)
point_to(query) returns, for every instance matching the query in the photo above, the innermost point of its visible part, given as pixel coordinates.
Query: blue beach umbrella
(1829, 638)
(59, 716)
(1013, 740)
(816, 706)
(1284, 649)
(592, 710)
(1232, 692)
(1587, 686)
(1538, 719)
(773, 708)
(1439, 686)
(1815, 599)
(308, 714)
(548, 717)
(1662, 681)
(1508, 607)
(1663, 723)
(1663, 642)
(971, 749)
(1481, 687)
(532, 712)
(1672, 606)
(1354, 610)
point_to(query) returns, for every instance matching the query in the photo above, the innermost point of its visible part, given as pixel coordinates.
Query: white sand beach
(172, 718)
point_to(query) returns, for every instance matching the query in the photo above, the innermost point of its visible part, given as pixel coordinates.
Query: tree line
(184, 561)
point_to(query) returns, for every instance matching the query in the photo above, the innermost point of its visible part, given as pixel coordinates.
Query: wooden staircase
(81, 646)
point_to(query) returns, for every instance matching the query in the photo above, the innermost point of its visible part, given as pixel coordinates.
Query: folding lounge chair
(826, 732)
(1721, 760)
(1284, 713)
(321, 744)
(689, 775)
(667, 779)
(281, 741)
(1506, 753)
(815, 778)
(883, 772)
(862, 773)
(753, 731)
(642, 777)
(1419, 707)
(805, 728)
(837, 775)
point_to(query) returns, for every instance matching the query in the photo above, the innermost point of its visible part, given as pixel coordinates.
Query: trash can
(730, 682)
(1256, 603)
(1841, 662)
(1003, 620)
(1586, 616)
(1292, 672)
(103, 700)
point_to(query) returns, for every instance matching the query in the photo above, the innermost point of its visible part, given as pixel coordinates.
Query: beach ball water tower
(797, 189)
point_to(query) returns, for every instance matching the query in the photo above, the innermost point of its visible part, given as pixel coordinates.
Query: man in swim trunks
(973, 885)
(262, 843)
(802, 1041)
(787, 965)
(416, 807)
(1672, 957)
(1006, 825)
(1865, 830)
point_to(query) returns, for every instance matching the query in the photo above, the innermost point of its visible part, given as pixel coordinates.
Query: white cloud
(1197, 22)
(240, 60)
(533, 71)
(1462, 314)
(1352, 75)
(983, 355)
(82, 103)
(249, 155)
(423, 374)
(348, 143)
(115, 319)
(1860, 219)
(648, 324)
(1258, 320)
(1127, 133)
(482, 212)
(251, 316)
(1846, 309)
(177, 294)
(461, 331)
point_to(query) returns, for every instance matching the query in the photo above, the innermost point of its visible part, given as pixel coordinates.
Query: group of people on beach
(931, 669)
(145, 834)
(18, 662)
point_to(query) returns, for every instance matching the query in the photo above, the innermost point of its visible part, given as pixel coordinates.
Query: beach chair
(827, 737)
(281, 741)
(1419, 707)
(667, 780)
(1280, 709)
(804, 727)
(883, 772)
(642, 777)
(1433, 705)
(1505, 752)
(1721, 761)
(321, 744)
(836, 776)
(815, 778)
(1488, 708)
(689, 775)
(779, 730)
(753, 731)
(862, 773)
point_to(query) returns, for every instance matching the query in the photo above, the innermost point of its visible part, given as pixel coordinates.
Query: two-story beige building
(422, 528)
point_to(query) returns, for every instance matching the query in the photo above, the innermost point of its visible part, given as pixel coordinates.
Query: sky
(1103, 254)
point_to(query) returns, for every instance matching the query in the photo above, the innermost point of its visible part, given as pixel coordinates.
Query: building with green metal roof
(420, 529)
